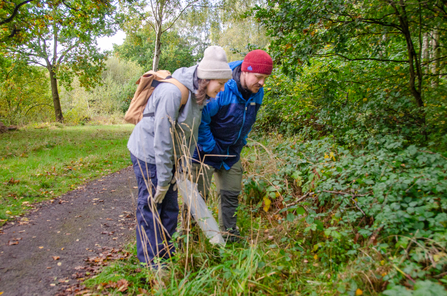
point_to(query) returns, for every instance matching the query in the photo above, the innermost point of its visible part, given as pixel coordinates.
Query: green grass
(38, 164)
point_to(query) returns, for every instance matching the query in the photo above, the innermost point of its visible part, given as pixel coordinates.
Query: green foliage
(355, 198)
(24, 93)
(367, 68)
(176, 51)
(111, 97)
(61, 38)
(45, 161)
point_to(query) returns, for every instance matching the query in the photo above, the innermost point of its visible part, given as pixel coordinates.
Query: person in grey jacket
(166, 132)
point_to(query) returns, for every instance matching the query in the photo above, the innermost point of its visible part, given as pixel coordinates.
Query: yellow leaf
(382, 262)
(267, 203)
(326, 156)
(438, 256)
(316, 257)
(331, 155)
(358, 292)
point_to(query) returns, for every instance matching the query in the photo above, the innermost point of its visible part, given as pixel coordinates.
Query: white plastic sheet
(200, 211)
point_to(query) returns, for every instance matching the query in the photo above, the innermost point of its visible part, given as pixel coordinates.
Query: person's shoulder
(167, 89)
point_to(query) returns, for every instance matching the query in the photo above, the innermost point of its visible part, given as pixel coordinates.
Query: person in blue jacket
(226, 122)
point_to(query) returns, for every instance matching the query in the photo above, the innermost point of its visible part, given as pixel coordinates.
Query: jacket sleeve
(206, 139)
(168, 101)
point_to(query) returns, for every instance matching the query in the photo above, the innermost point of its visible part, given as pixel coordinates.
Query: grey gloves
(160, 193)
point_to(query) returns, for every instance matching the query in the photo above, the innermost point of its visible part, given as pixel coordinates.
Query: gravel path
(44, 252)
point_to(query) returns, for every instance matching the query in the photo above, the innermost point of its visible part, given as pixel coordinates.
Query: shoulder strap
(181, 87)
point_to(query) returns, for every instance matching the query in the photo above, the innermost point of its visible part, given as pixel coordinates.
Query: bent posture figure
(226, 122)
(157, 143)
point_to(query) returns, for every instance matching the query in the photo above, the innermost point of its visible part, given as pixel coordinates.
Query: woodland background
(352, 173)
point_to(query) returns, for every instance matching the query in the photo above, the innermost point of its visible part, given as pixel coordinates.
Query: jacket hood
(234, 64)
(186, 77)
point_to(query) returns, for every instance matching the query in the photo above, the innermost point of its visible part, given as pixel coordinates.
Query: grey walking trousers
(228, 185)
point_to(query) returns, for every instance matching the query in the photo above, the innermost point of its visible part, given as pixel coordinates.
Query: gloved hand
(160, 194)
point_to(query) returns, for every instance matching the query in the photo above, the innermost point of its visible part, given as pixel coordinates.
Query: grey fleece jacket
(153, 140)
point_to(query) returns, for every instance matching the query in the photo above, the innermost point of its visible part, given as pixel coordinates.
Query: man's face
(253, 81)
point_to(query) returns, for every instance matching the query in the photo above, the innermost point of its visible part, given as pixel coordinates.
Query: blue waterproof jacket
(226, 122)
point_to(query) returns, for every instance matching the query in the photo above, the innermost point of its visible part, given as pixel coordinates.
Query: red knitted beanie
(257, 61)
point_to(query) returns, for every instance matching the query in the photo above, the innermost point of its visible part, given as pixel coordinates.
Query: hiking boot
(232, 236)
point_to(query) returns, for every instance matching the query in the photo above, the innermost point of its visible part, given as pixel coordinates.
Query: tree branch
(176, 18)
(362, 59)
(16, 10)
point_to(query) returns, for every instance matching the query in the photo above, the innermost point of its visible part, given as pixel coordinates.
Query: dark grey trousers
(228, 187)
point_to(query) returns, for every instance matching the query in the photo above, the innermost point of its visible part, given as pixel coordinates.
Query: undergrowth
(318, 219)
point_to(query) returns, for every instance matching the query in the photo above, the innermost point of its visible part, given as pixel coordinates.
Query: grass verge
(41, 163)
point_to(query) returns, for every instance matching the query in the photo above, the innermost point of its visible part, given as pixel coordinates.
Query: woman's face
(215, 86)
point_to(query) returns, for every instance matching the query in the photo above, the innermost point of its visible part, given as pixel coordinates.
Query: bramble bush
(387, 197)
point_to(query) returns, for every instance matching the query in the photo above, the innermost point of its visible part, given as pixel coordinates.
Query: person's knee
(229, 198)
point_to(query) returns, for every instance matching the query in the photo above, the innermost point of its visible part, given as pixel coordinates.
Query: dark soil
(49, 250)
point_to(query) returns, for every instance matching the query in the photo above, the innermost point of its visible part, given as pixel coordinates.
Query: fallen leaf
(59, 263)
(56, 257)
(267, 203)
(122, 285)
(12, 181)
(11, 243)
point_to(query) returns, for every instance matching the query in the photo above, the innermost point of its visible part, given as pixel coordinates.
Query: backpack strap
(181, 87)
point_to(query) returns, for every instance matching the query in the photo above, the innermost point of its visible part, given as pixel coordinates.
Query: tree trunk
(157, 50)
(436, 56)
(414, 65)
(55, 94)
(425, 53)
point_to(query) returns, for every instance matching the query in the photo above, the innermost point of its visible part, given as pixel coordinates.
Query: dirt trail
(83, 223)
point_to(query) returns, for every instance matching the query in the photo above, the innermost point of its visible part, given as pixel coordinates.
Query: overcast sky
(106, 43)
